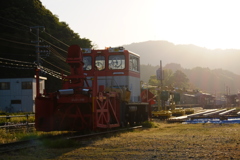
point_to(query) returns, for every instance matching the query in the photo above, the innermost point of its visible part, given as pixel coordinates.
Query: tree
(177, 79)
(180, 80)
(168, 77)
(153, 80)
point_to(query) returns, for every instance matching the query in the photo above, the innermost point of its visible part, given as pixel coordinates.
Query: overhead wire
(14, 22)
(58, 55)
(16, 42)
(31, 66)
(36, 35)
(54, 65)
(12, 27)
(56, 39)
(15, 60)
(18, 47)
(12, 54)
(51, 74)
(19, 67)
(52, 71)
(6, 35)
(53, 45)
(17, 64)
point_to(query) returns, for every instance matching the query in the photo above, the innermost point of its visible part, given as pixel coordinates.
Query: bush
(148, 124)
(2, 113)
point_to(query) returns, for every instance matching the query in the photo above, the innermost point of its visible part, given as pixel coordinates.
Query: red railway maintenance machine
(102, 91)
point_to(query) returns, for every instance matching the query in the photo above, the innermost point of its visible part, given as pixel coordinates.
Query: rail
(15, 146)
(102, 133)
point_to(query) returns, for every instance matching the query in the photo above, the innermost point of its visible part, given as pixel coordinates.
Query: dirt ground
(165, 141)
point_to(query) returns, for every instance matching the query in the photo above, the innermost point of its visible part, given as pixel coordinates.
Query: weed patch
(148, 124)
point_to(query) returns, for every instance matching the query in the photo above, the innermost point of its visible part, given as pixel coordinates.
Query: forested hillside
(212, 81)
(19, 21)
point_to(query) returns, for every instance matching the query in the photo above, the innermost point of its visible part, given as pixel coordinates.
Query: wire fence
(17, 122)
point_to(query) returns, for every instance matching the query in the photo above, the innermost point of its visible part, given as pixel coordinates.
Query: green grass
(23, 119)
(164, 141)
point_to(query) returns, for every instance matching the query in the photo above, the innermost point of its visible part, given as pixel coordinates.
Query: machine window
(134, 63)
(116, 62)
(87, 60)
(100, 63)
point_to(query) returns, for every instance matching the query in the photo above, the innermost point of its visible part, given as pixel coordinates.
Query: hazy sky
(206, 23)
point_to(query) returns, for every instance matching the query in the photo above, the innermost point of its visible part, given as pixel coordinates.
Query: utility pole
(37, 42)
(38, 58)
(161, 80)
(159, 74)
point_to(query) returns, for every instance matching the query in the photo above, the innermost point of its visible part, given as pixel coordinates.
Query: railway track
(103, 133)
(15, 146)
(20, 145)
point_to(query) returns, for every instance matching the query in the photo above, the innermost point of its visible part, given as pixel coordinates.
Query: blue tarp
(213, 120)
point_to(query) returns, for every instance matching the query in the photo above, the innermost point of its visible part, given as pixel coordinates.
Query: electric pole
(37, 57)
(37, 43)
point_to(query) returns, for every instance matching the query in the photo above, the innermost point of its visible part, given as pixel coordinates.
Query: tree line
(18, 36)
(216, 81)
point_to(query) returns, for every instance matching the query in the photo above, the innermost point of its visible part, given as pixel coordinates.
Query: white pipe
(201, 113)
(66, 91)
(227, 111)
(211, 113)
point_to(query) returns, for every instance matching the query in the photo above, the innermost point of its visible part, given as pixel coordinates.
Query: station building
(18, 94)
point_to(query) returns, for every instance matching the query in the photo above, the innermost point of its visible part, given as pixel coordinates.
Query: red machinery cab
(115, 68)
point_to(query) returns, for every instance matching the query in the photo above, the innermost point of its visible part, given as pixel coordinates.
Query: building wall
(19, 97)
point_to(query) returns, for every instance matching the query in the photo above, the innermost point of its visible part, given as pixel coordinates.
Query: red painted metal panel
(76, 98)
(107, 110)
(44, 110)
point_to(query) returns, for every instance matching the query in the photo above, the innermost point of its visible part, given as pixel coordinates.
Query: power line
(15, 64)
(35, 34)
(16, 61)
(53, 45)
(50, 70)
(19, 67)
(58, 55)
(14, 22)
(16, 42)
(13, 27)
(52, 58)
(6, 35)
(32, 66)
(50, 43)
(14, 46)
(56, 39)
(12, 54)
(54, 65)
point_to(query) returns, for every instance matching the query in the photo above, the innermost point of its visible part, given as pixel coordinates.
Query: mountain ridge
(189, 56)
